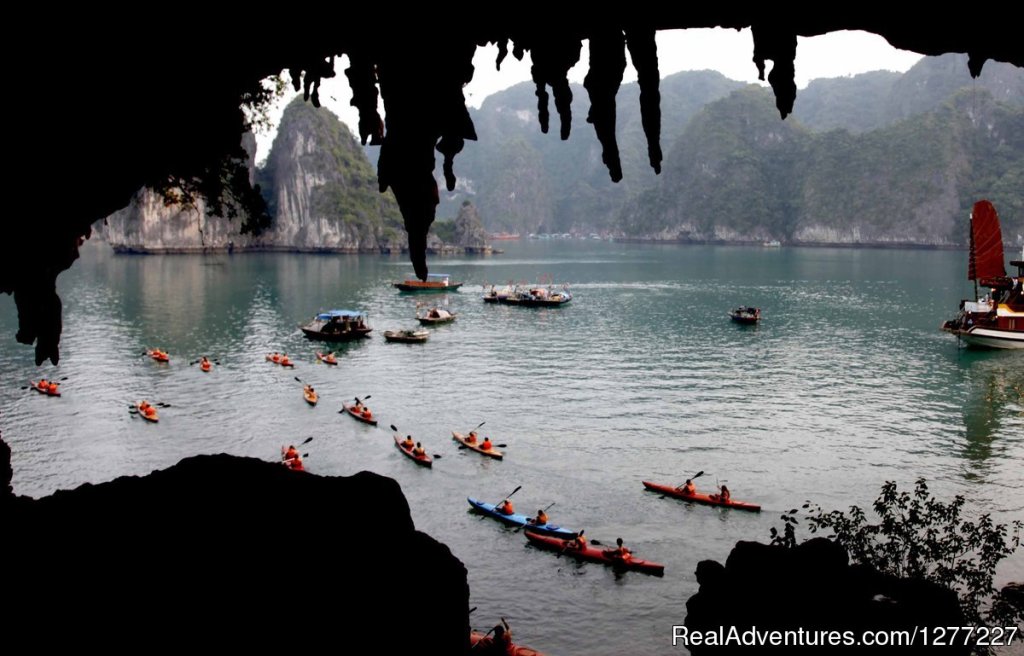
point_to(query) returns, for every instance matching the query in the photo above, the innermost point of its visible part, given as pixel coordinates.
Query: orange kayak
(424, 459)
(33, 384)
(706, 499)
(153, 417)
(311, 397)
(205, 366)
(351, 409)
(158, 355)
(280, 361)
(475, 446)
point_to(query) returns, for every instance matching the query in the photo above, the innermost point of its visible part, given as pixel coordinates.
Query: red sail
(986, 259)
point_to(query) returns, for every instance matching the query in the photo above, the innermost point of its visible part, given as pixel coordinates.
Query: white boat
(995, 320)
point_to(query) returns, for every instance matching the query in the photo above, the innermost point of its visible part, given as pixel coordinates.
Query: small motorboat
(337, 326)
(435, 316)
(407, 336)
(435, 282)
(746, 315)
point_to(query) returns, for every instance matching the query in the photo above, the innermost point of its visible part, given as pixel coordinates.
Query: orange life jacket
(505, 507)
(291, 453)
(149, 410)
(471, 438)
(408, 444)
(689, 489)
(486, 446)
(43, 385)
(52, 387)
(275, 358)
(542, 518)
(367, 414)
(418, 452)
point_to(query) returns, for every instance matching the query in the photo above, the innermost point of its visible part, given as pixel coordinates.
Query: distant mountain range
(875, 158)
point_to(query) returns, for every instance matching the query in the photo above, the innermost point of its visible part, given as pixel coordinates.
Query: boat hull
(706, 499)
(475, 446)
(351, 410)
(423, 460)
(426, 287)
(594, 554)
(405, 338)
(345, 336)
(988, 337)
(518, 520)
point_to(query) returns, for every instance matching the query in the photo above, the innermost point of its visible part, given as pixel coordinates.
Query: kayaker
(688, 488)
(275, 357)
(724, 495)
(291, 454)
(366, 414)
(43, 385)
(505, 507)
(359, 405)
(146, 409)
(486, 446)
(500, 644)
(204, 362)
(284, 359)
(408, 443)
(578, 543)
(620, 551)
(471, 438)
(419, 451)
(51, 387)
(542, 517)
(309, 390)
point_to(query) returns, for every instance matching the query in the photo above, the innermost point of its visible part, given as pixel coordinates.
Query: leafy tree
(919, 536)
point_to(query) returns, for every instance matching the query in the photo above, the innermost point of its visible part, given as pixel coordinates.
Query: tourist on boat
(284, 359)
(51, 387)
(275, 357)
(688, 488)
(540, 519)
(724, 495)
(419, 451)
(365, 413)
(408, 442)
(578, 543)
(359, 405)
(505, 507)
(486, 446)
(309, 390)
(291, 454)
(204, 362)
(146, 409)
(620, 551)
(43, 385)
(471, 438)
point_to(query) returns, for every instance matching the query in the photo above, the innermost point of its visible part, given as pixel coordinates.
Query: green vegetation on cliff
(313, 146)
(738, 173)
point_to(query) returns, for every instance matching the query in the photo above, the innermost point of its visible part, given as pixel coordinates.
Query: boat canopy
(324, 316)
(439, 275)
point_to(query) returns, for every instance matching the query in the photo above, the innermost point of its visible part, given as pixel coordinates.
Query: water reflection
(993, 405)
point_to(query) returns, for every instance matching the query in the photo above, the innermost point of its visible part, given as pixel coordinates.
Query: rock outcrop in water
(469, 232)
(811, 587)
(229, 552)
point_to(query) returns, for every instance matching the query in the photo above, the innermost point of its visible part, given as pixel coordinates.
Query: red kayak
(424, 459)
(477, 637)
(351, 409)
(594, 554)
(697, 497)
(34, 385)
(326, 358)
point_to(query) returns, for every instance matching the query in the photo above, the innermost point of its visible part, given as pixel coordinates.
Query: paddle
(692, 478)
(214, 361)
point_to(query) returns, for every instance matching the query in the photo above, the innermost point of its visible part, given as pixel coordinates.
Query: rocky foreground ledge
(814, 588)
(220, 551)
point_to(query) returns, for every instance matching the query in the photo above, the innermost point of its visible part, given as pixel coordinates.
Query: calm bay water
(847, 383)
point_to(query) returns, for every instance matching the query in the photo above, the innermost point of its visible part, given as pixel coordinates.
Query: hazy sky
(727, 51)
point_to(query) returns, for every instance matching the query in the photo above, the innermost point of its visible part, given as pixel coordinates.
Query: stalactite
(607, 64)
(779, 46)
(362, 79)
(643, 51)
(552, 59)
